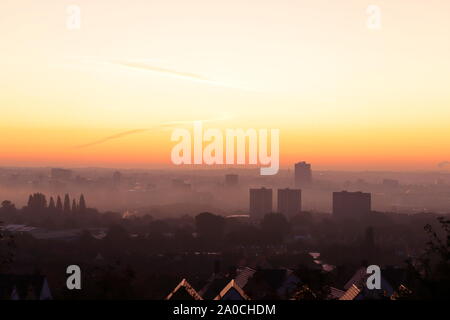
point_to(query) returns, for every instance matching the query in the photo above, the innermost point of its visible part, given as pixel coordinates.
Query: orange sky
(342, 95)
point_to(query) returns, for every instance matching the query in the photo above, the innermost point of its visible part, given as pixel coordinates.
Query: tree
(431, 271)
(51, 205)
(209, 226)
(59, 206)
(74, 206)
(275, 226)
(7, 245)
(66, 204)
(37, 202)
(82, 204)
(8, 207)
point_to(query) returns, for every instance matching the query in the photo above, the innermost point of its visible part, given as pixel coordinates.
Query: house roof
(243, 275)
(351, 293)
(232, 285)
(358, 278)
(400, 292)
(184, 291)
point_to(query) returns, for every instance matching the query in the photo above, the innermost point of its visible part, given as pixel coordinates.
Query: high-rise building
(303, 175)
(351, 204)
(231, 180)
(289, 201)
(260, 202)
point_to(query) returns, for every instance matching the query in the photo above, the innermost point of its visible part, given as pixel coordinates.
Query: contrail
(115, 136)
(130, 132)
(152, 66)
(143, 66)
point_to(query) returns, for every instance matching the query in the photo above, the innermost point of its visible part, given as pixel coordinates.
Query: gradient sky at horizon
(343, 96)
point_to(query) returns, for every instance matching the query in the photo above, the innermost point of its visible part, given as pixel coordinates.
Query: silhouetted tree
(8, 207)
(66, 204)
(59, 206)
(7, 246)
(209, 226)
(30, 201)
(432, 270)
(37, 203)
(74, 206)
(82, 204)
(51, 205)
(275, 226)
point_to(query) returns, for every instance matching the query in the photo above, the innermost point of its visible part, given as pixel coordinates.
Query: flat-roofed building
(289, 201)
(260, 202)
(303, 174)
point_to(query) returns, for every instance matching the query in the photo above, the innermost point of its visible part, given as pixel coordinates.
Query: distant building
(231, 180)
(260, 202)
(351, 204)
(390, 183)
(303, 174)
(289, 201)
(117, 177)
(180, 185)
(61, 174)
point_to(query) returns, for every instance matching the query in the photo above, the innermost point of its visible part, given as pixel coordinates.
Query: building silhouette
(351, 204)
(303, 174)
(260, 202)
(61, 174)
(289, 201)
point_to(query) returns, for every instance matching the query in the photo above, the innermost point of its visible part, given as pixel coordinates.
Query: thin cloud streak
(151, 65)
(136, 131)
(115, 136)
(144, 66)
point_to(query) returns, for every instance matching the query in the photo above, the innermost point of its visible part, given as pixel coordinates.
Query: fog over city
(173, 192)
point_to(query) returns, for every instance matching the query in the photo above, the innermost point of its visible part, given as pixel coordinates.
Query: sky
(344, 96)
